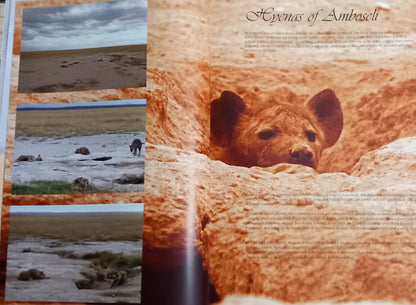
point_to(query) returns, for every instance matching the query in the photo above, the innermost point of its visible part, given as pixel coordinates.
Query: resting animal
(282, 133)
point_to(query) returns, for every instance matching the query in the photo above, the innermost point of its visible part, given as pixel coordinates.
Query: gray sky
(95, 25)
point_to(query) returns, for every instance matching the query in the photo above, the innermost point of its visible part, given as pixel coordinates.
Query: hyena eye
(267, 134)
(311, 136)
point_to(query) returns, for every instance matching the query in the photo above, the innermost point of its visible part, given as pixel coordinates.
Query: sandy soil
(62, 272)
(61, 163)
(96, 69)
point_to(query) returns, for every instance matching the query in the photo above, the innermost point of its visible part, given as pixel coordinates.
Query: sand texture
(86, 69)
(380, 262)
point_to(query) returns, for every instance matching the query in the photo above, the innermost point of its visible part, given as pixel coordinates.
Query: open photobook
(209, 152)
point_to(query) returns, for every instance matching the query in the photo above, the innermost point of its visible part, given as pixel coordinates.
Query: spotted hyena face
(279, 134)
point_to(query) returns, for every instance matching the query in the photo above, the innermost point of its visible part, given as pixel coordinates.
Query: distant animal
(80, 184)
(82, 151)
(119, 279)
(281, 133)
(31, 274)
(112, 274)
(136, 145)
(28, 158)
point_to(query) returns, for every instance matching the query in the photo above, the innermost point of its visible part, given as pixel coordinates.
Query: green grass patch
(114, 260)
(120, 294)
(52, 187)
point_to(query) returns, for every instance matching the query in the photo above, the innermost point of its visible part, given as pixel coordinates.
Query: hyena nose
(301, 156)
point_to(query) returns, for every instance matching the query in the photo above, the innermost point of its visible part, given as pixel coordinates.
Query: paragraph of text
(274, 41)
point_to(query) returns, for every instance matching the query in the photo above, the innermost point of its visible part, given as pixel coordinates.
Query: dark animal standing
(136, 145)
(281, 133)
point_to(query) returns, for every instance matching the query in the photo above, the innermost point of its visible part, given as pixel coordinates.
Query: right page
(312, 117)
(104, 109)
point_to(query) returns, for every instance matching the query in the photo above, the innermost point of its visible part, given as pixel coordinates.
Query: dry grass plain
(75, 227)
(91, 51)
(79, 122)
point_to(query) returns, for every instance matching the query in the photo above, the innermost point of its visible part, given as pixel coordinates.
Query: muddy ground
(48, 256)
(60, 162)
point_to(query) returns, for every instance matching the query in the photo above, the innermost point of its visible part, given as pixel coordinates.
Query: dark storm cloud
(120, 22)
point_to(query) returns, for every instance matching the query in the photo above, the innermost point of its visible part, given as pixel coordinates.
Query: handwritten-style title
(272, 16)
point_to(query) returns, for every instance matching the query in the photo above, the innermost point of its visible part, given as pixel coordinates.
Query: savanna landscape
(83, 46)
(89, 143)
(81, 257)
(83, 69)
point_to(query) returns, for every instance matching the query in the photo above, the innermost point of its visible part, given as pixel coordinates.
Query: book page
(313, 201)
(322, 214)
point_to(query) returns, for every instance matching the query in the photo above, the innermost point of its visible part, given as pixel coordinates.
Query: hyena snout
(303, 156)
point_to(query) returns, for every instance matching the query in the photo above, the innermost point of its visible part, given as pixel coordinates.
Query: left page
(72, 210)
(99, 97)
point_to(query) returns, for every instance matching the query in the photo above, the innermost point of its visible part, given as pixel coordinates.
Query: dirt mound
(242, 237)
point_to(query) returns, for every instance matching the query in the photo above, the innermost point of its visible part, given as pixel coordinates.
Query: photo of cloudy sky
(81, 47)
(95, 25)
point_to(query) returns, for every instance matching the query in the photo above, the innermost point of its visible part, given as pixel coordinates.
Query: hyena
(281, 133)
(80, 184)
(136, 145)
(30, 274)
(119, 279)
(28, 158)
(82, 151)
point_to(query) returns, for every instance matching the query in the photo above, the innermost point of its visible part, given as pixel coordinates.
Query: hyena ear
(326, 107)
(224, 117)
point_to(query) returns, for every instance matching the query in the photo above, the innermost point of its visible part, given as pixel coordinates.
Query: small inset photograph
(83, 47)
(91, 147)
(75, 253)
